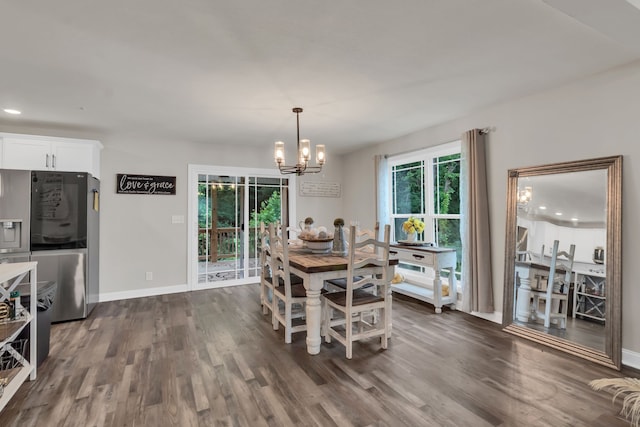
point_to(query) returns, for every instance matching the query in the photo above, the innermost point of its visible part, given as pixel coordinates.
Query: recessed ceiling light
(559, 213)
(12, 111)
(574, 219)
(543, 207)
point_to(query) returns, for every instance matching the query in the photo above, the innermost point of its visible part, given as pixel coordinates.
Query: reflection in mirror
(562, 269)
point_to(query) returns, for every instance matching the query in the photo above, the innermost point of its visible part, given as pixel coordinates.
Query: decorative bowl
(319, 245)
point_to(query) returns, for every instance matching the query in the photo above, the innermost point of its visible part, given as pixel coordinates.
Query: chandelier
(524, 196)
(304, 154)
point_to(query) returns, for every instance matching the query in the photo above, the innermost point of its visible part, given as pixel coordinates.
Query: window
(426, 184)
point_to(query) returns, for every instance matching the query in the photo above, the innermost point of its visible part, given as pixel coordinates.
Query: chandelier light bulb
(305, 150)
(320, 155)
(279, 152)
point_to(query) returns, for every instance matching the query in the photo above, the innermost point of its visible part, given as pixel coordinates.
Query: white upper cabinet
(34, 152)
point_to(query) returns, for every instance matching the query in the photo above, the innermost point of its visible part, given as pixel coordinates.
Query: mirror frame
(612, 354)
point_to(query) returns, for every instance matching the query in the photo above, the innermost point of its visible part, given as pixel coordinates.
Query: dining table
(314, 269)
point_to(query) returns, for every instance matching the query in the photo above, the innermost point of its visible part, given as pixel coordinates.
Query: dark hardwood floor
(210, 358)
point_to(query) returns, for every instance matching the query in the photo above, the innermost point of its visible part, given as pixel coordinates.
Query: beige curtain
(383, 197)
(476, 251)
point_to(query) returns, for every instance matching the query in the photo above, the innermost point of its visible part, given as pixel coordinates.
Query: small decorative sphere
(338, 222)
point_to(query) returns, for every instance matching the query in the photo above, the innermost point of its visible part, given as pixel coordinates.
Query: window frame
(429, 200)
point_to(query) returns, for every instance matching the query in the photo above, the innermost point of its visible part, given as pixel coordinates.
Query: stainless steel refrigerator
(15, 199)
(64, 237)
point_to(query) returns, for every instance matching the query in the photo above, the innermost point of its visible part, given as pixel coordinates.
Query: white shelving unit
(11, 275)
(589, 299)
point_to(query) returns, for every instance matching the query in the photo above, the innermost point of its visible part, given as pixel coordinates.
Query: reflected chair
(288, 298)
(556, 297)
(353, 301)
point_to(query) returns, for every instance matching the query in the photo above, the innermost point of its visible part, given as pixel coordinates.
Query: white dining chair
(288, 298)
(555, 297)
(340, 284)
(350, 303)
(266, 285)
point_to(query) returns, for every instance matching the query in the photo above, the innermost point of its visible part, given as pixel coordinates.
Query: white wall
(590, 118)
(542, 233)
(136, 230)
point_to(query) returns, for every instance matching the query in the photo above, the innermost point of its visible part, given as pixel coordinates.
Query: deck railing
(221, 244)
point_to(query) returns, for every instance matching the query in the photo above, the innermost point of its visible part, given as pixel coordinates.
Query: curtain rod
(483, 131)
(486, 130)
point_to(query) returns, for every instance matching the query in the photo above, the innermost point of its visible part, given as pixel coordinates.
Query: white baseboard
(494, 317)
(139, 293)
(631, 359)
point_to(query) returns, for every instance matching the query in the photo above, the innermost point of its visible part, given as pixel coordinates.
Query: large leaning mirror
(563, 257)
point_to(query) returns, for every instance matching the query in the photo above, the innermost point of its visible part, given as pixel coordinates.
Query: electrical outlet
(177, 219)
(149, 275)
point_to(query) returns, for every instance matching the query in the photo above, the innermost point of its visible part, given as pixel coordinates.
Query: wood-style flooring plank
(211, 358)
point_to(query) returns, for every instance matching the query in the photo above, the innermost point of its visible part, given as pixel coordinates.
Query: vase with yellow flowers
(412, 227)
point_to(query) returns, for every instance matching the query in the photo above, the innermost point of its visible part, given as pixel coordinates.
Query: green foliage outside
(447, 195)
(447, 189)
(226, 206)
(270, 211)
(408, 184)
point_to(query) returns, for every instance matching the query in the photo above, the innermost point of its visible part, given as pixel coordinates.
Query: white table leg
(314, 315)
(437, 291)
(523, 300)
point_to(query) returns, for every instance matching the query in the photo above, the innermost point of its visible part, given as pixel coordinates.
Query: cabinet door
(19, 153)
(72, 156)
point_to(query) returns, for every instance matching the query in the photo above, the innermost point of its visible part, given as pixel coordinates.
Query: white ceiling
(365, 71)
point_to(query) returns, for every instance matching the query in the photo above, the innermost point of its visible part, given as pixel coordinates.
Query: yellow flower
(413, 225)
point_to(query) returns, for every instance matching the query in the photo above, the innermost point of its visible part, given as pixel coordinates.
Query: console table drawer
(414, 257)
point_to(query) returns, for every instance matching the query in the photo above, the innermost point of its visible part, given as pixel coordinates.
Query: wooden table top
(539, 266)
(308, 262)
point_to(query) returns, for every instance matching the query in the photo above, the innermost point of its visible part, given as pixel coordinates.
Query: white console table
(433, 257)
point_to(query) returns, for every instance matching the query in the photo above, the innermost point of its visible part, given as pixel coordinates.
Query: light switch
(177, 219)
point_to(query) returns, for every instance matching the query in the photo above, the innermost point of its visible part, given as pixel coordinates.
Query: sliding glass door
(231, 204)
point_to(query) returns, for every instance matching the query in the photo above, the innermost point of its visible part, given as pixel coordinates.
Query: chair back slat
(558, 263)
(357, 259)
(279, 248)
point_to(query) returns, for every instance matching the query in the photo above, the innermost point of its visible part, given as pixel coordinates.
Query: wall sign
(145, 184)
(320, 189)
